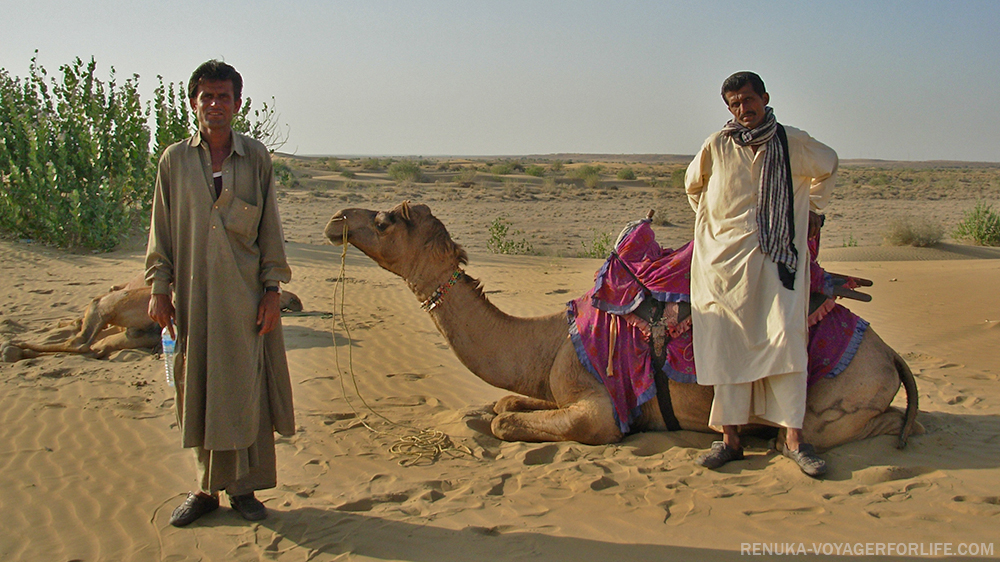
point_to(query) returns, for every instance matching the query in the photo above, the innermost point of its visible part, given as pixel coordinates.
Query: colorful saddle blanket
(613, 342)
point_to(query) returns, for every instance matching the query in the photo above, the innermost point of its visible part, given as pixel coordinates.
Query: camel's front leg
(585, 413)
(584, 421)
(518, 403)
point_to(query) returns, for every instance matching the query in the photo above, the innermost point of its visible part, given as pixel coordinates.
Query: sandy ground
(91, 464)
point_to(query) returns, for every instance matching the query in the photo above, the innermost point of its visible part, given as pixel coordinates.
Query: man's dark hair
(740, 79)
(215, 70)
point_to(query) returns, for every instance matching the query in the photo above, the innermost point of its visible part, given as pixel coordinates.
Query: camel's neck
(505, 351)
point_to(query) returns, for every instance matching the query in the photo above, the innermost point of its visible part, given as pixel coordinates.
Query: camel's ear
(405, 210)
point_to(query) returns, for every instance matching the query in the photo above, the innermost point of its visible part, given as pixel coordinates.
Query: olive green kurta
(219, 254)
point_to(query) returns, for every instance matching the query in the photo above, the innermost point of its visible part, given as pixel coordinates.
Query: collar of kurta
(238, 145)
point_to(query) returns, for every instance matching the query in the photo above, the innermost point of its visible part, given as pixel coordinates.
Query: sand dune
(91, 466)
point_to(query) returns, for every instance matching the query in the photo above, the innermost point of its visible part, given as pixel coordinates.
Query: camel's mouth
(336, 229)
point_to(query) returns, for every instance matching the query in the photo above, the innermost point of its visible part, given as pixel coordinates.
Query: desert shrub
(371, 164)
(626, 174)
(556, 166)
(76, 161)
(348, 174)
(502, 169)
(405, 170)
(466, 176)
(660, 219)
(331, 164)
(980, 225)
(74, 156)
(283, 173)
(677, 178)
(601, 244)
(910, 231)
(535, 170)
(500, 241)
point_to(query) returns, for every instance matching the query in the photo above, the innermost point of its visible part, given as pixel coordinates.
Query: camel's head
(400, 240)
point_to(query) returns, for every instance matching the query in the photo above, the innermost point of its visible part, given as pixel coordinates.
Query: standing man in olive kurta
(753, 186)
(215, 260)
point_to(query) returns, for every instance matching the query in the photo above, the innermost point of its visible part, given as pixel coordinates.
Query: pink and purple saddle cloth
(613, 339)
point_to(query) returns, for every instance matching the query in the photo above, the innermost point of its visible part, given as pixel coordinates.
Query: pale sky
(902, 80)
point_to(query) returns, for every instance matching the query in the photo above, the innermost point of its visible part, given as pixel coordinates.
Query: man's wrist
(273, 289)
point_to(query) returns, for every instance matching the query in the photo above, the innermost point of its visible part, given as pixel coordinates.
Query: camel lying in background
(558, 399)
(117, 320)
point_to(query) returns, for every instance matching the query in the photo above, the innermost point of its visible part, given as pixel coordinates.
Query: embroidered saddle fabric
(613, 340)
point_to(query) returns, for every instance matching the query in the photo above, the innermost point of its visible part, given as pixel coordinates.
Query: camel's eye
(383, 220)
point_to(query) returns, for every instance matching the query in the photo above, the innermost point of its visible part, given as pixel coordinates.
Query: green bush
(910, 231)
(601, 244)
(980, 225)
(405, 170)
(74, 157)
(626, 174)
(502, 169)
(499, 242)
(535, 170)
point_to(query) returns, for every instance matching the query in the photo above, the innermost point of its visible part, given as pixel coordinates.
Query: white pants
(776, 400)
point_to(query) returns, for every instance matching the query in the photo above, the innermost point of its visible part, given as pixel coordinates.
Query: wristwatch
(273, 289)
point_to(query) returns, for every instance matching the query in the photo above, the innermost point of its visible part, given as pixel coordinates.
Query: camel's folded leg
(126, 339)
(519, 403)
(586, 421)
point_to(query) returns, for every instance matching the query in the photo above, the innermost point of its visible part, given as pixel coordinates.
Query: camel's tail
(912, 399)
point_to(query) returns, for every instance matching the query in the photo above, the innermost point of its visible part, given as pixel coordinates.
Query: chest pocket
(242, 218)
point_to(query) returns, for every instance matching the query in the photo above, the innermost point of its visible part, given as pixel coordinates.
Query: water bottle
(168, 354)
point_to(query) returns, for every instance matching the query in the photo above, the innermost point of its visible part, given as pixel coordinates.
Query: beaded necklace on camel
(439, 293)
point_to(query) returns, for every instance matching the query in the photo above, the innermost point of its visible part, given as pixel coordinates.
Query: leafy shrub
(980, 225)
(910, 231)
(535, 170)
(283, 174)
(348, 174)
(74, 157)
(556, 166)
(502, 169)
(371, 164)
(499, 243)
(76, 165)
(677, 178)
(466, 176)
(601, 244)
(626, 174)
(405, 170)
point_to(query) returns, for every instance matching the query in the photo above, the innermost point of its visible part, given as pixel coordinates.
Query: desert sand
(91, 464)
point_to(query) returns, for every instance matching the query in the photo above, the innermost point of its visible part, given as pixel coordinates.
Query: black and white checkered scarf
(775, 205)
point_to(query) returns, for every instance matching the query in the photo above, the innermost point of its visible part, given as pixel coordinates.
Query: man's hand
(161, 310)
(269, 312)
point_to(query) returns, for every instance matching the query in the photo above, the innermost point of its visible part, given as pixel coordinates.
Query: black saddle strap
(663, 397)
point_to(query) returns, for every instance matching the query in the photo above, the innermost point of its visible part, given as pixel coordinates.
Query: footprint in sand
(367, 504)
(603, 483)
(541, 455)
(880, 474)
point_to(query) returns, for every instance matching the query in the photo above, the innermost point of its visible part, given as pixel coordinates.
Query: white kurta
(748, 326)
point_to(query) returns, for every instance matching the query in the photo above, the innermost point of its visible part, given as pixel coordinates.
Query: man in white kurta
(750, 331)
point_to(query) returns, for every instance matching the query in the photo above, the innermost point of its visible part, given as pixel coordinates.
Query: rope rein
(423, 446)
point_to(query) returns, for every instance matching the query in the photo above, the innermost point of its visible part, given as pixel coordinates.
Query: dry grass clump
(913, 231)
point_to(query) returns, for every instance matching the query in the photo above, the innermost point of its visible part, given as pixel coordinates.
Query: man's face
(214, 104)
(746, 106)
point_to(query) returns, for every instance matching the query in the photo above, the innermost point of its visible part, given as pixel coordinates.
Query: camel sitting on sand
(118, 319)
(558, 399)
